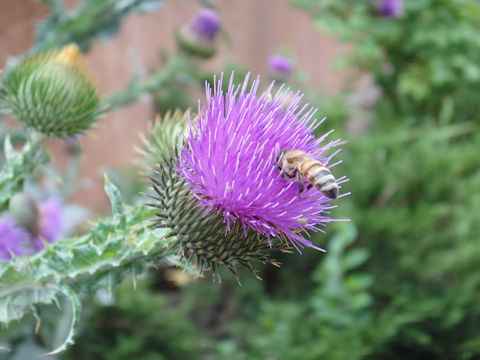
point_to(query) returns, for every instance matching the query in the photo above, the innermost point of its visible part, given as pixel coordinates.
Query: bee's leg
(301, 185)
(309, 186)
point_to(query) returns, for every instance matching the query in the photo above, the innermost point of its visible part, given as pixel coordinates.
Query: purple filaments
(12, 238)
(229, 160)
(391, 8)
(206, 24)
(51, 223)
(280, 64)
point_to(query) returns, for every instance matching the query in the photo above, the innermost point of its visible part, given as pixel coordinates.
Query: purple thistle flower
(12, 238)
(51, 223)
(280, 64)
(206, 24)
(391, 8)
(229, 160)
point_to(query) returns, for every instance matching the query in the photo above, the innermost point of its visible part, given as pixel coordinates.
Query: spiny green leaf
(17, 299)
(105, 256)
(114, 196)
(76, 307)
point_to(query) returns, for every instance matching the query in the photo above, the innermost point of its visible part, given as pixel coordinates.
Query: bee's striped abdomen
(321, 178)
(310, 166)
(297, 163)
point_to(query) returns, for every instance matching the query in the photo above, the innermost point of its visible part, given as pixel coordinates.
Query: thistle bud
(24, 210)
(220, 192)
(51, 93)
(280, 65)
(198, 37)
(390, 8)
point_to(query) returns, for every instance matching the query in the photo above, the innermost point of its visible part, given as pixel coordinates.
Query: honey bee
(303, 166)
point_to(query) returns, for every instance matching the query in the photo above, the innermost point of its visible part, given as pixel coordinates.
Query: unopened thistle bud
(24, 210)
(43, 220)
(280, 64)
(221, 192)
(198, 37)
(51, 93)
(390, 8)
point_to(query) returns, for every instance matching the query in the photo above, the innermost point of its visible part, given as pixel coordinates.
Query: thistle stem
(137, 88)
(19, 165)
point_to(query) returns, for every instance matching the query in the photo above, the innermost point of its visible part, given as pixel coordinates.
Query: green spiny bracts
(191, 45)
(163, 136)
(202, 239)
(51, 94)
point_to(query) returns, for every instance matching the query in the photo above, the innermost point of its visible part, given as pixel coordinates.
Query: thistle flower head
(198, 37)
(219, 190)
(280, 64)
(391, 8)
(229, 161)
(12, 238)
(51, 93)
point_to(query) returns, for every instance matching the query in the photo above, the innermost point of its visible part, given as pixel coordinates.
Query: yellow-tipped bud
(70, 56)
(51, 93)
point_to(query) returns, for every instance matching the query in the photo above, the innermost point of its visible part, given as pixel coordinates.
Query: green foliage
(139, 324)
(318, 324)
(427, 61)
(418, 220)
(117, 247)
(90, 21)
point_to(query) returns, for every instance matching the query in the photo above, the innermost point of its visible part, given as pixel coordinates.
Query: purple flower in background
(51, 223)
(206, 23)
(280, 64)
(73, 140)
(391, 8)
(229, 160)
(12, 238)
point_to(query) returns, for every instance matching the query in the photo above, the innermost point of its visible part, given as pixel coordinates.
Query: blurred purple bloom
(51, 223)
(206, 23)
(391, 8)
(229, 160)
(73, 140)
(280, 64)
(11, 238)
